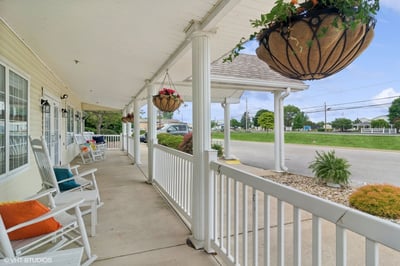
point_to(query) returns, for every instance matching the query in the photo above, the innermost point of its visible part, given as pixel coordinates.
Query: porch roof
(104, 51)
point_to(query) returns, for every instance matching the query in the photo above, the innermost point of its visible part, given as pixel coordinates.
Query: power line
(332, 106)
(348, 108)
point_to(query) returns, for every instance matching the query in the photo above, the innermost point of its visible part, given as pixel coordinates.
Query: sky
(364, 89)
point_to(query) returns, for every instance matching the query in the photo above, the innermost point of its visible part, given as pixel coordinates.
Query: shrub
(218, 148)
(380, 200)
(169, 140)
(329, 168)
(187, 143)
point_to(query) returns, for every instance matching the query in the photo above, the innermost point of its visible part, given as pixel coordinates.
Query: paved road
(367, 166)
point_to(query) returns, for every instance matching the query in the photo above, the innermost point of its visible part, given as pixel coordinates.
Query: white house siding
(16, 55)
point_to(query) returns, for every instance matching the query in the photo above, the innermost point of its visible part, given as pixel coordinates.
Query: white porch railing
(113, 141)
(173, 176)
(302, 229)
(319, 226)
(129, 146)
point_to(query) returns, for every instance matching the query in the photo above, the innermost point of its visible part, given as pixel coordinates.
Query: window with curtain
(13, 120)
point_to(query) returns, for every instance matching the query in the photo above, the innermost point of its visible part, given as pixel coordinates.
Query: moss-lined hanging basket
(309, 47)
(167, 103)
(168, 98)
(129, 118)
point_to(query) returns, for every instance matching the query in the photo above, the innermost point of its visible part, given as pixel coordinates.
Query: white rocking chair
(87, 190)
(88, 152)
(72, 230)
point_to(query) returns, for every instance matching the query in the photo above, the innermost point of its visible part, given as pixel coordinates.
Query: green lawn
(324, 139)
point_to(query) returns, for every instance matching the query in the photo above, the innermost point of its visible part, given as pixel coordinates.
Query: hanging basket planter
(167, 103)
(167, 99)
(129, 118)
(308, 47)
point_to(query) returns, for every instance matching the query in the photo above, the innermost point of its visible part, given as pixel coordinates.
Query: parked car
(175, 129)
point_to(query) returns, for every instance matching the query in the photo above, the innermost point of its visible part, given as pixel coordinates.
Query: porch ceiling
(105, 50)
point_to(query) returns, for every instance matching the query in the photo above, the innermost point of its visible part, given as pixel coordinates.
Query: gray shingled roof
(251, 68)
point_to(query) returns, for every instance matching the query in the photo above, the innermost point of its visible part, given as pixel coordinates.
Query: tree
(397, 124)
(255, 118)
(300, 120)
(342, 123)
(213, 123)
(266, 120)
(289, 113)
(103, 122)
(245, 117)
(235, 123)
(379, 123)
(394, 111)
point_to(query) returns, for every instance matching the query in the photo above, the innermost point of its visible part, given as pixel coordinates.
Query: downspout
(282, 129)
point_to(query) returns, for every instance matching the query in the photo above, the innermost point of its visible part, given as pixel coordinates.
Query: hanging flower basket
(309, 47)
(312, 39)
(167, 99)
(129, 118)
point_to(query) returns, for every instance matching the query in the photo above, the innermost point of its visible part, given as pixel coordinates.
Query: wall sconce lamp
(64, 113)
(45, 106)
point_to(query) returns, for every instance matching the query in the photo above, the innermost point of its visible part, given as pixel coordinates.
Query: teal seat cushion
(62, 174)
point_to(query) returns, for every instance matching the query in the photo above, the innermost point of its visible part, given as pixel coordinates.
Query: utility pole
(325, 116)
(247, 114)
(325, 109)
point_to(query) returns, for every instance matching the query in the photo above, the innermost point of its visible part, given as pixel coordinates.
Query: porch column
(279, 130)
(227, 130)
(136, 127)
(128, 130)
(151, 131)
(201, 132)
(123, 136)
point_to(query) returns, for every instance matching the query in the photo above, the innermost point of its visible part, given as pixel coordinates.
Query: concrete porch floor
(136, 226)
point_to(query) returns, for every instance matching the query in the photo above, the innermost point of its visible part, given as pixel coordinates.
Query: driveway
(367, 166)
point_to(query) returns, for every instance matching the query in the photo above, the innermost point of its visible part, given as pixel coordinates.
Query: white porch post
(151, 130)
(123, 137)
(136, 127)
(227, 130)
(277, 131)
(201, 132)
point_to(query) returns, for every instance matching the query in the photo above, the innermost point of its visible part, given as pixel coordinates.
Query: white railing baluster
(371, 253)
(228, 216)
(221, 211)
(255, 226)
(245, 226)
(216, 201)
(281, 233)
(296, 236)
(267, 232)
(236, 222)
(316, 241)
(341, 246)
